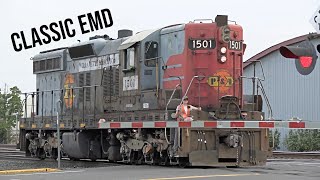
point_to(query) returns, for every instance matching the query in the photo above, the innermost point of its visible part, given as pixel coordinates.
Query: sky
(265, 23)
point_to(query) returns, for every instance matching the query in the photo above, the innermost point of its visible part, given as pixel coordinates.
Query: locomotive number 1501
(235, 45)
(195, 44)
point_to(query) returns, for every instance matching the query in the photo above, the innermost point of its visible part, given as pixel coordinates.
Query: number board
(235, 45)
(130, 83)
(195, 44)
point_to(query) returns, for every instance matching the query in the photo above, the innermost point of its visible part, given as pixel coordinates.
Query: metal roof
(277, 46)
(136, 38)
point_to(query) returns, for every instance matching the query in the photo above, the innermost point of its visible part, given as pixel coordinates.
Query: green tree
(276, 141)
(303, 140)
(10, 106)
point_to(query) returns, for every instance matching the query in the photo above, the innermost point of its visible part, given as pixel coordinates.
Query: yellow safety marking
(47, 125)
(61, 125)
(205, 176)
(21, 125)
(33, 126)
(28, 171)
(82, 125)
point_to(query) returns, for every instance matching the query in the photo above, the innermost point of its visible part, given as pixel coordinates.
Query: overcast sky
(265, 23)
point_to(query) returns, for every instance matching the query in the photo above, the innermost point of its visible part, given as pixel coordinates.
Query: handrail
(180, 106)
(166, 113)
(29, 93)
(212, 21)
(166, 118)
(189, 87)
(270, 113)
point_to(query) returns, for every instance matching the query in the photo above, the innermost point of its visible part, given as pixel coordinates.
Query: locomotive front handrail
(266, 98)
(260, 85)
(181, 103)
(77, 87)
(166, 118)
(212, 21)
(189, 87)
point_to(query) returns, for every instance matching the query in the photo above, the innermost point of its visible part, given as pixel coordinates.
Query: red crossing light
(305, 61)
(304, 54)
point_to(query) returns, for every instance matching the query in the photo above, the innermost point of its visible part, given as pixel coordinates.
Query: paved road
(286, 170)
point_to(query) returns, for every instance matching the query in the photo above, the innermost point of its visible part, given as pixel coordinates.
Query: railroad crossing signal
(304, 54)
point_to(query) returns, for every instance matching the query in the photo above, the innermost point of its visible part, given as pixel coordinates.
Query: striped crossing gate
(210, 124)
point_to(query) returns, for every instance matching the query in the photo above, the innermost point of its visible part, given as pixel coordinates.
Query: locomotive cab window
(151, 53)
(128, 59)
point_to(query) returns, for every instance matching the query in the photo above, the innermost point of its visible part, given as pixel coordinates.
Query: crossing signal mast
(305, 56)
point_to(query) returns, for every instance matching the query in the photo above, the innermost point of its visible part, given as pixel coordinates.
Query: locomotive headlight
(223, 59)
(223, 50)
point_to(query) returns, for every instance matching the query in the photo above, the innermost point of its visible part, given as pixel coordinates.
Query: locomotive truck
(139, 79)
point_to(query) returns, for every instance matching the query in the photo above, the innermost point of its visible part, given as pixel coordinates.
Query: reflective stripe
(185, 114)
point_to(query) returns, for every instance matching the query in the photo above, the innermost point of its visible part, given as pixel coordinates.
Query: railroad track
(12, 159)
(9, 151)
(11, 146)
(295, 155)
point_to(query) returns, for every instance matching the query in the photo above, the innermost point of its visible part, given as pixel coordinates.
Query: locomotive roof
(136, 38)
(49, 54)
(98, 44)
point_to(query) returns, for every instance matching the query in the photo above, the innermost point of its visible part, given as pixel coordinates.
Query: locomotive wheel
(41, 154)
(54, 153)
(133, 158)
(92, 157)
(165, 159)
(236, 166)
(73, 159)
(183, 162)
(140, 157)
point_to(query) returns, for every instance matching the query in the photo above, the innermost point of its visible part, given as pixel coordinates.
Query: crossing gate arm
(211, 124)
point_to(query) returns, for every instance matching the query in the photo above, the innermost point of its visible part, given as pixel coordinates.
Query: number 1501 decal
(235, 45)
(196, 44)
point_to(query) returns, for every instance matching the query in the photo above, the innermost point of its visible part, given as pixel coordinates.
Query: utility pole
(16, 114)
(5, 113)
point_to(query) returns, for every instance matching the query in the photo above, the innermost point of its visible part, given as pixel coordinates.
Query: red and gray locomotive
(144, 77)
